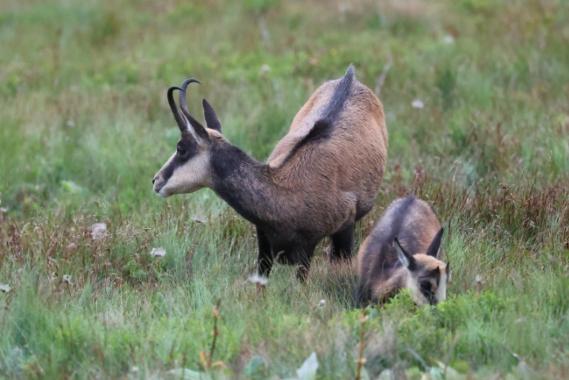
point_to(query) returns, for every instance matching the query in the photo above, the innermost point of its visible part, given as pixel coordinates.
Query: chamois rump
(403, 251)
(320, 179)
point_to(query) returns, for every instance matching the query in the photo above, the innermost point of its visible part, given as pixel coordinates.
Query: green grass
(84, 126)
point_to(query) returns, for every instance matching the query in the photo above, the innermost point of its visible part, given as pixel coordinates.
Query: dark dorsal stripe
(323, 127)
(341, 94)
(401, 213)
(386, 260)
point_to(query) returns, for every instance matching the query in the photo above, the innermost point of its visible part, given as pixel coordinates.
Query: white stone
(98, 231)
(158, 252)
(258, 279)
(418, 104)
(5, 288)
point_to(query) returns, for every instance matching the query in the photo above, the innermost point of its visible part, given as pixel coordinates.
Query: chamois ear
(435, 246)
(406, 259)
(210, 117)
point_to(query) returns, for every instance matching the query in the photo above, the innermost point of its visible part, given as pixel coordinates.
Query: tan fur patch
(302, 123)
(429, 262)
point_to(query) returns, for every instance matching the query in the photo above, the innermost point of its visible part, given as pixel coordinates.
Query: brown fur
(381, 274)
(308, 189)
(337, 179)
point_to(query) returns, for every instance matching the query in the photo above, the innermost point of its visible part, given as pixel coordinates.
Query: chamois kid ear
(436, 273)
(210, 117)
(404, 257)
(435, 246)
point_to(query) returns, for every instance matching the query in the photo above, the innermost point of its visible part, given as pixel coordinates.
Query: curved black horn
(198, 127)
(180, 120)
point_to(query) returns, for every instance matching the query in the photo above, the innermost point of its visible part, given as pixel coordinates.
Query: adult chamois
(403, 251)
(321, 178)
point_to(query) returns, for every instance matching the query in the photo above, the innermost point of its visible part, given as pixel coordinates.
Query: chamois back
(321, 178)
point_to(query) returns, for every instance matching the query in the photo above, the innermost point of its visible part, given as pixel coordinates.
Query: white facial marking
(416, 295)
(441, 293)
(191, 176)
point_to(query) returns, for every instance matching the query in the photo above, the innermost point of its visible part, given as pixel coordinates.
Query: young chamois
(403, 251)
(321, 178)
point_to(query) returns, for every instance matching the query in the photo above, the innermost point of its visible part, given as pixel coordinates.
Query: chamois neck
(245, 184)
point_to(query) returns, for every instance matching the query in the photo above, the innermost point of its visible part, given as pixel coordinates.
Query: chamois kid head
(189, 168)
(426, 276)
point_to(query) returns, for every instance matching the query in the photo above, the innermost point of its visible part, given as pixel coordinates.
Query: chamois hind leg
(265, 257)
(306, 253)
(342, 244)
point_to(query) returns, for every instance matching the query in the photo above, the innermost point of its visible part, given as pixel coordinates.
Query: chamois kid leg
(342, 244)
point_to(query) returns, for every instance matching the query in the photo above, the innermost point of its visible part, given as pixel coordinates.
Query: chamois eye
(426, 287)
(180, 150)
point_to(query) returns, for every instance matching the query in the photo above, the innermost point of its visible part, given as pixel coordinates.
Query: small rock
(308, 369)
(158, 252)
(71, 187)
(448, 39)
(187, 374)
(199, 219)
(265, 69)
(67, 279)
(5, 288)
(256, 367)
(257, 279)
(98, 231)
(322, 303)
(417, 104)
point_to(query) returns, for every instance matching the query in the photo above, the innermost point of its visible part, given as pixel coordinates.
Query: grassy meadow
(476, 95)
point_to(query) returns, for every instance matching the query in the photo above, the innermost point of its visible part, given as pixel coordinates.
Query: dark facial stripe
(185, 150)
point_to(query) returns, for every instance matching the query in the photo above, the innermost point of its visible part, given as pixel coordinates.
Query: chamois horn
(180, 119)
(198, 127)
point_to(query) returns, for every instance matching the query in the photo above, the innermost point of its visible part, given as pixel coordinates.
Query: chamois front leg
(264, 259)
(342, 244)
